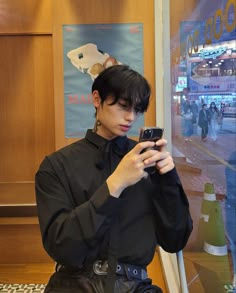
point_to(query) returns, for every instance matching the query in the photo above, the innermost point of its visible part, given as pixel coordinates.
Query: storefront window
(203, 98)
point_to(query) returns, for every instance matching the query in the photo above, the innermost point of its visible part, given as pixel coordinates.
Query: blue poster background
(122, 41)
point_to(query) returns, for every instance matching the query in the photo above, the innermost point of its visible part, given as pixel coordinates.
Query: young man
(101, 214)
(203, 121)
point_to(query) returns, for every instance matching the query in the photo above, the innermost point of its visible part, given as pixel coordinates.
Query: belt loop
(128, 272)
(144, 274)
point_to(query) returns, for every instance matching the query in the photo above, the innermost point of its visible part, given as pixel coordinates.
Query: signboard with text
(208, 47)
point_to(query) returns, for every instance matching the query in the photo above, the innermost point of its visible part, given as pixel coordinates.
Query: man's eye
(124, 106)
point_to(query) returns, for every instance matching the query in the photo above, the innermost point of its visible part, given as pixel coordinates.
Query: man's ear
(96, 99)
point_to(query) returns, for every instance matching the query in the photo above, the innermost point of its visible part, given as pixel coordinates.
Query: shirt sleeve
(171, 212)
(69, 232)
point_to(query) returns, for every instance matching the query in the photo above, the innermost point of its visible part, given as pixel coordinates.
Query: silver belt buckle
(98, 268)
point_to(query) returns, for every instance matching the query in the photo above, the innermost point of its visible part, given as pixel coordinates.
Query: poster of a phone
(88, 50)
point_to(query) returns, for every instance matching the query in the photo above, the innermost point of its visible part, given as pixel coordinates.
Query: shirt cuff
(168, 178)
(104, 203)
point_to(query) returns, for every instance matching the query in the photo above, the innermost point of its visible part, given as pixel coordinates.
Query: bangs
(137, 98)
(122, 83)
(135, 91)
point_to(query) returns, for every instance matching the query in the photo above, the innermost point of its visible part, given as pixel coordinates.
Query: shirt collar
(118, 145)
(97, 140)
(119, 142)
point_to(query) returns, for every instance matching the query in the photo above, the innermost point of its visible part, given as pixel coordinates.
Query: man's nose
(130, 115)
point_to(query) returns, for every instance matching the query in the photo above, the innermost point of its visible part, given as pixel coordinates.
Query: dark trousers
(204, 131)
(89, 282)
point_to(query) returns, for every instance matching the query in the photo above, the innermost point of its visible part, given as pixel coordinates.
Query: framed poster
(88, 49)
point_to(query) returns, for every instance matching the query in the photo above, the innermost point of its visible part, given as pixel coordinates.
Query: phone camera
(148, 133)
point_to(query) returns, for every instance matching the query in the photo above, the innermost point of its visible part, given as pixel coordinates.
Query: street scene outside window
(203, 100)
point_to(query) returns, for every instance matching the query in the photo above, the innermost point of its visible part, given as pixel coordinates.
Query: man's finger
(142, 146)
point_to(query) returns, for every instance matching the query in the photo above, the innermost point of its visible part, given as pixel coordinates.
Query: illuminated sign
(182, 83)
(212, 53)
(219, 27)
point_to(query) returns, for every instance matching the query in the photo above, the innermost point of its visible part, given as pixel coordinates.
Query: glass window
(203, 100)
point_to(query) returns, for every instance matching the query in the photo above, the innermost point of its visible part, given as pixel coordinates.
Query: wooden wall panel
(26, 95)
(20, 193)
(21, 243)
(25, 16)
(94, 11)
(26, 105)
(44, 117)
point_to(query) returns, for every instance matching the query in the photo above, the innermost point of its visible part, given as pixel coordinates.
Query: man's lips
(125, 127)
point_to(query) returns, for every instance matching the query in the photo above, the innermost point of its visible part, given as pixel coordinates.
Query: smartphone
(150, 134)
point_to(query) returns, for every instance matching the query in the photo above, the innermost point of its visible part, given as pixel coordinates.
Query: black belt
(100, 267)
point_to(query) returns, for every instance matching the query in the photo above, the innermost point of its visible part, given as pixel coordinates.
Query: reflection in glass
(203, 83)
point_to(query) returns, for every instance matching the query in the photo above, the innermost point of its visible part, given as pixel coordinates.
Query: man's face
(116, 120)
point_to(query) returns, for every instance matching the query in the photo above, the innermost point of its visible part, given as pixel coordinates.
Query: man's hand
(131, 168)
(162, 159)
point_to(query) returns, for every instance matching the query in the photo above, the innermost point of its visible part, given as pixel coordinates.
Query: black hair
(122, 82)
(213, 105)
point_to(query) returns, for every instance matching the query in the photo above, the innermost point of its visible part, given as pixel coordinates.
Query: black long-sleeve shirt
(76, 210)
